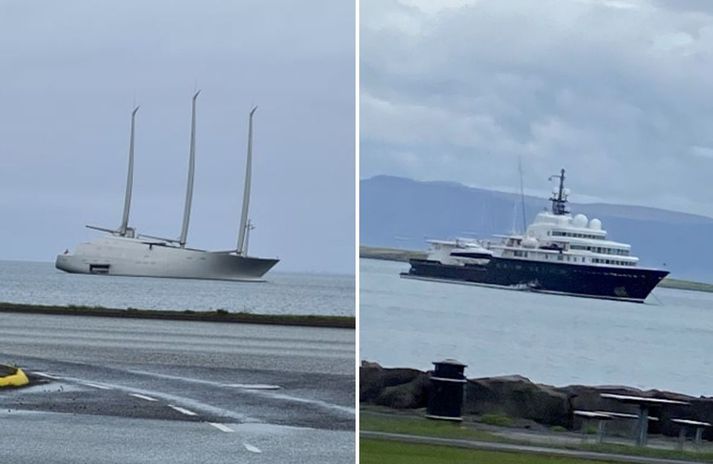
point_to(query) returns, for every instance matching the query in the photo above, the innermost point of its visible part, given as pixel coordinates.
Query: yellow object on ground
(16, 378)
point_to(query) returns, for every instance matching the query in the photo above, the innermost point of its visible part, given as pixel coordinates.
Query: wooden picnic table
(600, 417)
(644, 403)
(685, 423)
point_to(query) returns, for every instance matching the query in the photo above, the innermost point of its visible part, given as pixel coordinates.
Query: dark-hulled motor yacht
(558, 253)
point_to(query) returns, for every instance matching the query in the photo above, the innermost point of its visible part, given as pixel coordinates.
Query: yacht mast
(559, 202)
(244, 224)
(191, 172)
(522, 196)
(129, 179)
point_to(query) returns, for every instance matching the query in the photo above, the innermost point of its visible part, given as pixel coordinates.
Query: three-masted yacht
(558, 253)
(123, 252)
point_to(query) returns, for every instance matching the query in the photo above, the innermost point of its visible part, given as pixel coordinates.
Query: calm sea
(666, 343)
(283, 293)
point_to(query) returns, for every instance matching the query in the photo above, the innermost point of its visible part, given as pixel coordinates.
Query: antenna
(522, 195)
(191, 174)
(559, 202)
(129, 179)
(244, 223)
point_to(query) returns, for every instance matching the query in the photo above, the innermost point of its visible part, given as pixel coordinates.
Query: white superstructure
(124, 252)
(553, 236)
(575, 240)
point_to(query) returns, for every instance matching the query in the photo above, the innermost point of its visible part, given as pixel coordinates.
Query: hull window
(99, 268)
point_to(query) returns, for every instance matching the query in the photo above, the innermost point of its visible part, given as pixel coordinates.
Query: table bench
(602, 417)
(685, 423)
(644, 403)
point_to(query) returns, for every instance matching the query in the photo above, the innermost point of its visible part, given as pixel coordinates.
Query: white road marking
(49, 376)
(182, 411)
(94, 385)
(256, 386)
(251, 448)
(142, 397)
(221, 427)
(335, 407)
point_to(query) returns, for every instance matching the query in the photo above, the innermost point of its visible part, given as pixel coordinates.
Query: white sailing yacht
(123, 252)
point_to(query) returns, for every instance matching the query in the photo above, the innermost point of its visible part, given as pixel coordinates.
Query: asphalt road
(143, 391)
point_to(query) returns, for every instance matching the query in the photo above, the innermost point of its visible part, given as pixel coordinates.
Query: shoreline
(336, 322)
(403, 256)
(518, 402)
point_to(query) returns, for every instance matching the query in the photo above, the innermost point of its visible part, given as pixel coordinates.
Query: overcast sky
(71, 71)
(618, 92)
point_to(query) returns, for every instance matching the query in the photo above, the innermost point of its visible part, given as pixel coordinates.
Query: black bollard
(445, 397)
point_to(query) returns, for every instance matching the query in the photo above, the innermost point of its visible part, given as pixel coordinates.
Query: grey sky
(617, 91)
(71, 71)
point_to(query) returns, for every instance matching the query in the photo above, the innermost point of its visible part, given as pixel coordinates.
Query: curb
(13, 376)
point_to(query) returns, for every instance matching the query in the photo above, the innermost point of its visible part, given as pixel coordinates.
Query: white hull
(121, 256)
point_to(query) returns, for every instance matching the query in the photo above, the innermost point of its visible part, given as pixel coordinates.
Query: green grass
(423, 427)
(499, 420)
(686, 285)
(382, 451)
(647, 452)
(419, 426)
(220, 315)
(590, 429)
(389, 254)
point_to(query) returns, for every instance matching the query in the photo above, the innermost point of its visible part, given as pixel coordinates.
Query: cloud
(72, 71)
(616, 92)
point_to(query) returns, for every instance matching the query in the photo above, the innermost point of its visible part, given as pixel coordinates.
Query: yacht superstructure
(123, 252)
(558, 253)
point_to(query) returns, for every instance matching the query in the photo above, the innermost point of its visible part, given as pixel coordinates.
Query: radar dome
(580, 221)
(595, 224)
(529, 242)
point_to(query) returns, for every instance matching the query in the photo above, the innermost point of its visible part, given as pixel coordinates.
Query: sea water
(665, 343)
(282, 293)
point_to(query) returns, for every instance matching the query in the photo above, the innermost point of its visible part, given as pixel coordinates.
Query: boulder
(518, 397)
(521, 399)
(374, 381)
(411, 395)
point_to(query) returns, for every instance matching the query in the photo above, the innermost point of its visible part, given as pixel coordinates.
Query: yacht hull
(134, 257)
(616, 283)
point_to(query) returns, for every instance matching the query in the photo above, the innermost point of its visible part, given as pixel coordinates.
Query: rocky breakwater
(519, 398)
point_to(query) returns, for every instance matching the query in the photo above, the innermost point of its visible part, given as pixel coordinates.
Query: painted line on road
(251, 448)
(204, 407)
(256, 386)
(95, 385)
(49, 376)
(268, 394)
(221, 427)
(142, 397)
(182, 410)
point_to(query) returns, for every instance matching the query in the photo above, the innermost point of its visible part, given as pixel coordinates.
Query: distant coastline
(340, 322)
(401, 255)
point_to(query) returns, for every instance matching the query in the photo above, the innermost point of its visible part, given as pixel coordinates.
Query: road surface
(173, 391)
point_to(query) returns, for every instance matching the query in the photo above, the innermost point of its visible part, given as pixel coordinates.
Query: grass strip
(220, 315)
(378, 451)
(419, 426)
(423, 427)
